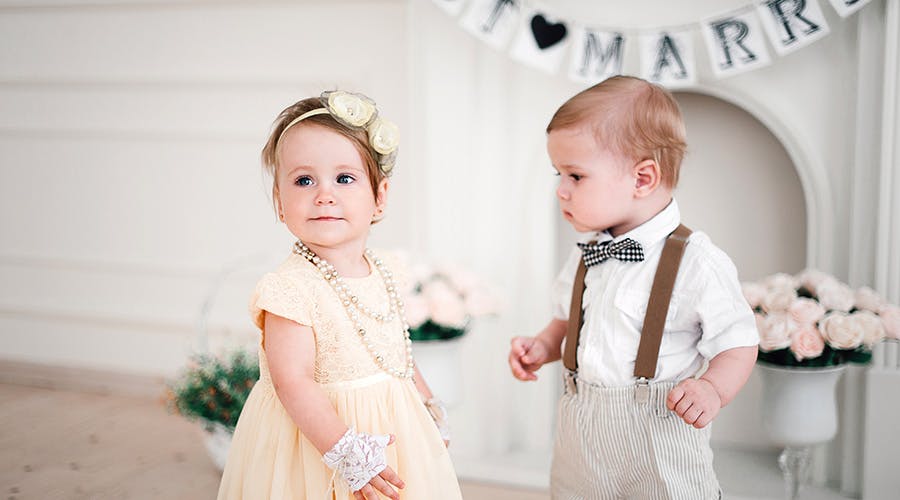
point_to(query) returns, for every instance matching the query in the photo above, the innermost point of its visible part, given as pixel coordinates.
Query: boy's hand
(696, 401)
(526, 355)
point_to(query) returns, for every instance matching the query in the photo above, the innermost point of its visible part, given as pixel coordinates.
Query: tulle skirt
(271, 458)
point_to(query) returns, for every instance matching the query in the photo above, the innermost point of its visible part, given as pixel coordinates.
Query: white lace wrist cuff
(357, 457)
(438, 413)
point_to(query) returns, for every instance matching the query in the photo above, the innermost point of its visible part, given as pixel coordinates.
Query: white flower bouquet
(813, 320)
(442, 299)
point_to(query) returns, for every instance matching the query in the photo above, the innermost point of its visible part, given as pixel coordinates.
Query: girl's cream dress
(271, 459)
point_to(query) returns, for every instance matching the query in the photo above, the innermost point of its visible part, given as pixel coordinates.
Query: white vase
(217, 440)
(799, 409)
(440, 363)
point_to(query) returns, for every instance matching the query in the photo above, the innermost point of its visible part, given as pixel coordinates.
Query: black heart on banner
(547, 34)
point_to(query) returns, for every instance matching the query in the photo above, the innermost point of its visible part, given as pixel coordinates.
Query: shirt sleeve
(561, 292)
(280, 295)
(726, 319)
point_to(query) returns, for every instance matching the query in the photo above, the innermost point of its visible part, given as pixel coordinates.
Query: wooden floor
(73, 445)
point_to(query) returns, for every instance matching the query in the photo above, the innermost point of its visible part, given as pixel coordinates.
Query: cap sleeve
(280, 295)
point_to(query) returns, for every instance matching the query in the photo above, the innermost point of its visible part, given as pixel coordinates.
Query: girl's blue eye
(304, 180)
(345, 179)
(575, 177)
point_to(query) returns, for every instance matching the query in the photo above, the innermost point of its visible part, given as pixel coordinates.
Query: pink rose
(890, 319)
(806, 311)
(780, 280)
(807, 343)
(775, 332)
(416, 308)
(870, 324)
(841, 331)
(754, 293)
(812, 278)
(836, 296)
(868, 299)
(778, 300)
(447, 307)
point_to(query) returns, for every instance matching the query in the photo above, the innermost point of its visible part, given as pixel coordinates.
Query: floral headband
(358, 112)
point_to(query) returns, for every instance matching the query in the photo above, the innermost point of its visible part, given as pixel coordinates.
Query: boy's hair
(632, 117)
(359, 138)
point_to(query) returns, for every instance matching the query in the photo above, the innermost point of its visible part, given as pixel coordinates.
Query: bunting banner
(736, 41)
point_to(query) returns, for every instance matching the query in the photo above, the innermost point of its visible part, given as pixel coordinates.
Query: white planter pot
(799, 405)
(440, 363)
(217, 442)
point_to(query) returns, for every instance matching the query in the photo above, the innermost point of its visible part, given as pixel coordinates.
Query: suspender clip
(571, 386)
(642, 390)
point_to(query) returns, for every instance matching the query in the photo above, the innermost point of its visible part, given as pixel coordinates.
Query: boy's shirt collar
(650, 232)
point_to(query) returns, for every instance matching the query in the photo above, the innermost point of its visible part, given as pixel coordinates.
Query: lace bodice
(297, 291)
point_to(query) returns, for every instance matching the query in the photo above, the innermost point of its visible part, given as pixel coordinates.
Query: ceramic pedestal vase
(799, 410)
(217, 439)
(440, 362)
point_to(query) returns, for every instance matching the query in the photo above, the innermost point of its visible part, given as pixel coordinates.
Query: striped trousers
(608, 446)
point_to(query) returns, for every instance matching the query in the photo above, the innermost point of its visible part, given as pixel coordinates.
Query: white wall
(129, 139)
(129, 171)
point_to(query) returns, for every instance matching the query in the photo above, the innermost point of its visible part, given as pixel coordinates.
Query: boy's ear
(647, 177)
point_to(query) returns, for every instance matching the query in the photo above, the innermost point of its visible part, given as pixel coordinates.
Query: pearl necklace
(354, 306)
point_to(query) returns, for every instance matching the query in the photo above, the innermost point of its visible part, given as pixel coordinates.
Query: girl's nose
(562, 193)
(324, 197)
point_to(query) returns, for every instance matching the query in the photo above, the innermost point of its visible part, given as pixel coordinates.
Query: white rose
(870, 324)
(841, 331)
(890, 319)
(778, 300)
(868, 299)
(354, 109)
(384, 136)
(836, 296)
(806, 311)
(754, 293)
(780, 280)
(775, 332)
(811, 279)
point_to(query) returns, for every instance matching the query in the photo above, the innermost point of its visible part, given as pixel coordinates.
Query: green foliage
(829, 357)
(430, 330)
(213, 389)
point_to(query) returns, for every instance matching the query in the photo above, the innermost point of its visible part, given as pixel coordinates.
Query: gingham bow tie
(626, 250)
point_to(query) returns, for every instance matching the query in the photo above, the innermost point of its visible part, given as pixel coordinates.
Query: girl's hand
(526, 356)
(381, 483)
(696, 401)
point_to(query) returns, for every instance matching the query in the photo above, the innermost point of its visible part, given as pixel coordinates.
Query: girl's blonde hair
(632, 117)
(358, 137)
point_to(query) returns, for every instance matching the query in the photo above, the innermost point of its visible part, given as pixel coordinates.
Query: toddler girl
(340, 410)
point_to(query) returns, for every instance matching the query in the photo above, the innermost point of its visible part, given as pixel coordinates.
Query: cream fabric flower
(384, 136)
(353, 109)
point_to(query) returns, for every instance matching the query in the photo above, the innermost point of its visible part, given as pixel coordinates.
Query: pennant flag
(792, 24)
(847, 7)
(667, 58)
(735, 43)
(452, 7)
(596, 55)
(492, 21)
(541, 43)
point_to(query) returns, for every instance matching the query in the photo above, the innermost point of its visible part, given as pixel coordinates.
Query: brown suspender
(657, 308)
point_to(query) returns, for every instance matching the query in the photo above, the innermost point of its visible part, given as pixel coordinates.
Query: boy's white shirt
(707, 315)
